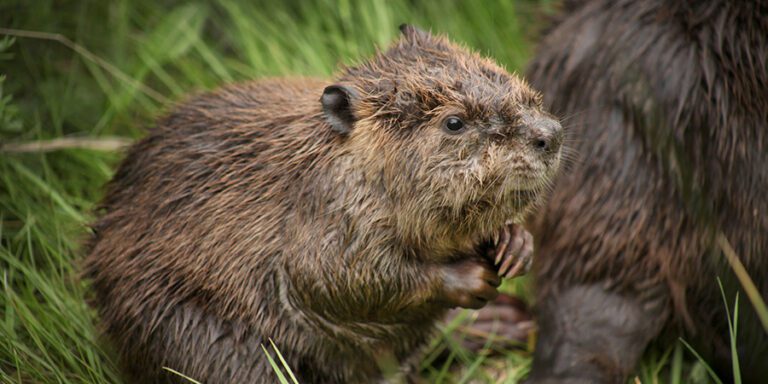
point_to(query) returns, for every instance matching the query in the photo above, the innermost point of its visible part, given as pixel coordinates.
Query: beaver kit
(668, 102)
(338, 218)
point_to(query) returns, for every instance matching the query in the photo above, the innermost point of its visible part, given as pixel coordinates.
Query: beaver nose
(546, 135)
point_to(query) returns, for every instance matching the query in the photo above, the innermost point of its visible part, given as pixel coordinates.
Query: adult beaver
(339, 219)
(668, 104)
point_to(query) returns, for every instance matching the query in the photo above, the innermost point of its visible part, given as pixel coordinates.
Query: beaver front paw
(513, 253)
(468, 284)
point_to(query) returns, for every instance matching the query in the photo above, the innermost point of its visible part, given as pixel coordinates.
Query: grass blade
(275, 367)
(746, 282)
(177, 373)
(282, 360)
(709, 369)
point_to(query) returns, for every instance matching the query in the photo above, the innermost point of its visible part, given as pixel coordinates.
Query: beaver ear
(413, 34)
(337, 108)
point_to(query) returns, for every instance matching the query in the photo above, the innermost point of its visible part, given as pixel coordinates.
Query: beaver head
(457, 144)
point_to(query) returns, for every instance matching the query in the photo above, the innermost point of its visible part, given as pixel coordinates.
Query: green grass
(97, 69)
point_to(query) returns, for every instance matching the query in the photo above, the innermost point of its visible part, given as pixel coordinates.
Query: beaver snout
(546, 134)
(542, 133)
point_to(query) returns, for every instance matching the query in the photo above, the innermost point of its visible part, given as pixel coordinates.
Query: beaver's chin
(522, 198)
(494, 211)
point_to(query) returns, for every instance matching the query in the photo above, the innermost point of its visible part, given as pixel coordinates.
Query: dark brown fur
(248, 214)
(667, 101)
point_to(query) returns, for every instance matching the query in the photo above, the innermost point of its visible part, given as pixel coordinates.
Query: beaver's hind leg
(588, 334)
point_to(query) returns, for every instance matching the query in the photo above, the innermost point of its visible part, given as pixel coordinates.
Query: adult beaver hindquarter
(340, 219)
(668, 103)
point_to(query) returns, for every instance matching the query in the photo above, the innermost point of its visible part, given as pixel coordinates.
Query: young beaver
(669, 101)
(338, 219)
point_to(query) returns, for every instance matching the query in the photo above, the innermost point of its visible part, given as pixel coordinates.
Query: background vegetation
(104, 70)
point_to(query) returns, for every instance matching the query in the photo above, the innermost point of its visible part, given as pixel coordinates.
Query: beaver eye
(453, 125)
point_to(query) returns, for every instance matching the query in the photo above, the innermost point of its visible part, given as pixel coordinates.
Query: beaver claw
(513, 252)
(469, 284)
(504, 324)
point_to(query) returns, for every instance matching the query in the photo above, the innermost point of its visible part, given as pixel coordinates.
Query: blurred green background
(96, 74)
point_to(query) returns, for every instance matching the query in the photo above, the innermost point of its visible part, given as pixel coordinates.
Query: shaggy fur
(244, 216)
(667, 103)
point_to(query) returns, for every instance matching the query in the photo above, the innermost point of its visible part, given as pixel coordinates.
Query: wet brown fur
(243, 216)
(667, 106)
